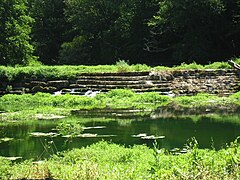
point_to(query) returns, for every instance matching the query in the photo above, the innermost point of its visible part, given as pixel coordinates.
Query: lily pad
(94, 127)
(89, 135)
(107, 135)
(48, 116)
(152, 137)
(67, 136)
(38, 162)
(140, 135)
(12, 158)
(42, 134)
(6, 139)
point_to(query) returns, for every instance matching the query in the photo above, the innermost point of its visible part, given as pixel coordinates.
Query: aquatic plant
(70, 128)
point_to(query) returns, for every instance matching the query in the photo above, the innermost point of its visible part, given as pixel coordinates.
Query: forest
(90, 32)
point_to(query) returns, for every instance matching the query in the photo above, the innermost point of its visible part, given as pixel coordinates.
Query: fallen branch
(234, 64)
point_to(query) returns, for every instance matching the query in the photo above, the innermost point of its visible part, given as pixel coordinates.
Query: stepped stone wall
(179, 82)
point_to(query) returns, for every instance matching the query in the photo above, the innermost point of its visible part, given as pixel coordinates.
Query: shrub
(71, 128)
(122, 66)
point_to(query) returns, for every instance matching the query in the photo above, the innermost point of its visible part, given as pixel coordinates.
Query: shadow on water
(126, 126)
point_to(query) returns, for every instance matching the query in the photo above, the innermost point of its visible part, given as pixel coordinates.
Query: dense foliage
(196, 30)
(104, 31)
(15, 47)
(49, 28)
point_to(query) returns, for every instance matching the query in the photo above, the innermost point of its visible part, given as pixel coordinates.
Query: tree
(231, 37)
(15, 29)
(193, 30)
(48, 29)
(93, 24)
(104, 31)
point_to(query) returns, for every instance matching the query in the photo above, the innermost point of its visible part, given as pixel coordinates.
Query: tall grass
(110, 161)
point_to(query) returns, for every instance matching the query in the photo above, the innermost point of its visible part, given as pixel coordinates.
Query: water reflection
(177, 130)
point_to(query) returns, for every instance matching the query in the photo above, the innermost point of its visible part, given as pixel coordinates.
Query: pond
(16, 139)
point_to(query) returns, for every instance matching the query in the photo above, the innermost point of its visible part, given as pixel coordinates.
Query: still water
(209, 131)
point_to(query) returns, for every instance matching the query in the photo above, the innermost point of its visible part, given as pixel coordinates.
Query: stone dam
(179, 82)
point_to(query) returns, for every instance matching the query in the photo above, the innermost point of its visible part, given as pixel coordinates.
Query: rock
(42, 134)
(140, 135)
(6, 139)
(12, 158)
(95, 127)
(152, 137)
(15, 92)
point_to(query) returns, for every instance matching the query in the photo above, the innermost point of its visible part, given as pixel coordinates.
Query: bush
(122, 66)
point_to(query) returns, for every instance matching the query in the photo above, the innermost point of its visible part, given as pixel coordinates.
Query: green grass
(202, 99)
(63, 72)
(68, 72)
(111, 161)
(119, 98)
(18, 107)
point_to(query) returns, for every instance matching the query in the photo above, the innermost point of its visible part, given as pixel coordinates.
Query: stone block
(38, 83)
(16, 92)
(36, 89)
(50, 89)
(58, 84)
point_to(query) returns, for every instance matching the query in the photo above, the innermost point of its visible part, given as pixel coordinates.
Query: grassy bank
(26, 106)
(61, 72)
(111, 161)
